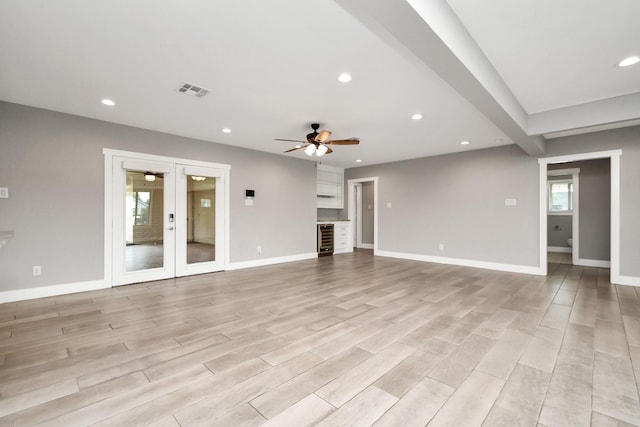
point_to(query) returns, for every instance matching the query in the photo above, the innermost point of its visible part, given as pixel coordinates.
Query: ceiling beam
(603, 114)
(427, 33)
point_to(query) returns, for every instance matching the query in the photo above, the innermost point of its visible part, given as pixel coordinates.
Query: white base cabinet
(342, 238)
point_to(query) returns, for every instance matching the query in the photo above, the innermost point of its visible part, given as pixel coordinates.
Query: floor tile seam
(634, 369)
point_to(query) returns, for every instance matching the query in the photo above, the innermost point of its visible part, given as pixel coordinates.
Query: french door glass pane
(201, 219)
(144, 221)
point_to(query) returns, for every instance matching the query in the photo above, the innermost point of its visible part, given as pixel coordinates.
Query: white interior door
(169, 219)
(200, 198)
(143, 221)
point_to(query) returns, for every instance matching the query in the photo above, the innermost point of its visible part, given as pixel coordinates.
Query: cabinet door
(330, 191)
(328, 177)
(327, 190)
(341, 238)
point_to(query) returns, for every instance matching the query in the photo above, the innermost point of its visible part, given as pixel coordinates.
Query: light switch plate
(510, 202)
(4, 193)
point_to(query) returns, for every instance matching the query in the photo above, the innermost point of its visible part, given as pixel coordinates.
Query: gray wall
(458, 200)
(367, 212)
(558, 236)
(595, 207)
(54, 168)
(628, 140)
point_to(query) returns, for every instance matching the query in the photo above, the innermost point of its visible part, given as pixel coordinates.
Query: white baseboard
(593, 263)
(270, 261)
(366, 246)
(626, 280)
(50, 291)
(560, 249)
(512, 268)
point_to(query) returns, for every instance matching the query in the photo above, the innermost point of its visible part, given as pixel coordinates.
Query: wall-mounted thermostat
(248, 197)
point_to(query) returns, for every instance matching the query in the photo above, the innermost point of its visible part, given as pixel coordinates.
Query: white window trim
(560, 181)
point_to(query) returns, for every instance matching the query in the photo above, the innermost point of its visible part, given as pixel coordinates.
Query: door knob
(170, 228)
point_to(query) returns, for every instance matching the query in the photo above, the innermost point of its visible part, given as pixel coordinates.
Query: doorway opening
(564, 162)
(563, 213)
(164, 217)
(363, 212)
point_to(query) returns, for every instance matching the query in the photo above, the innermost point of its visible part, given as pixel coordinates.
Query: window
(560, 196)
(205, 203)
(140, 203)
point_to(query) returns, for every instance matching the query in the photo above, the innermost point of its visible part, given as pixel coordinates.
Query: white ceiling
(493, 73)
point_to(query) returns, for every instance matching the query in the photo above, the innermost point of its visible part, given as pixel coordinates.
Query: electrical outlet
(260, 250)
(37, 270)
(441, 246)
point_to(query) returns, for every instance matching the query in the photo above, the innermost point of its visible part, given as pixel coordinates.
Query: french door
(168, 218)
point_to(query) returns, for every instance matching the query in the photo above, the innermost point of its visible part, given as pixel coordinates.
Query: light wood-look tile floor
(346, 340)
(560, 257)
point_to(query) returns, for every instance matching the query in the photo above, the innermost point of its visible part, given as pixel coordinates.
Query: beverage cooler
(325, 239)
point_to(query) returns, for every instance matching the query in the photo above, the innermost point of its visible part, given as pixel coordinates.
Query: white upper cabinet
(330, 187)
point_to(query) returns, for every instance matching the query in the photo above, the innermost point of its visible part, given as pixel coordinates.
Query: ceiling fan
(317, 142)
(151, 176)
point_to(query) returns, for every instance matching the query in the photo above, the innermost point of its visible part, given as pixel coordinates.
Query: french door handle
(170, 229)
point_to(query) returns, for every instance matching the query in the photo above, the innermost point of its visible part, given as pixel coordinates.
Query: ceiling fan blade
(329, 151)
(296, 148)
(350, 141)
(322, 136)
(290, 140)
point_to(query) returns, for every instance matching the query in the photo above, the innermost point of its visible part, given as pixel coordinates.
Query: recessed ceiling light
(226, 130)
(344, 78)
(358, 161)
(464, 143)
(108, 102)
(416, 116)
(629, 61)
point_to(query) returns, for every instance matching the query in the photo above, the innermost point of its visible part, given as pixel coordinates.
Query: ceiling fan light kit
(317, 142)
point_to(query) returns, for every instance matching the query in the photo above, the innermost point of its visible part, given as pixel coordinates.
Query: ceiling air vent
(193, 90)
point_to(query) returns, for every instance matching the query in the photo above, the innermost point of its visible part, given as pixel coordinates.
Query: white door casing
(175, 171)
(614, 157)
